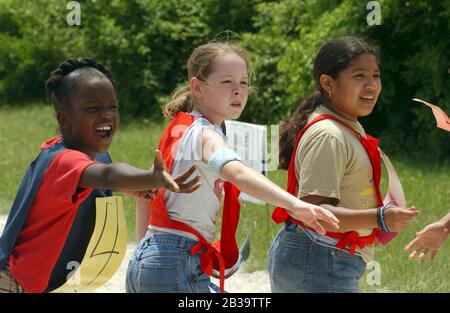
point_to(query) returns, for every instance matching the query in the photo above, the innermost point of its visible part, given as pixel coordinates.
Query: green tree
(413, 42)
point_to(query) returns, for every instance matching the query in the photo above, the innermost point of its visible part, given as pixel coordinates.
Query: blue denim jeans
(162, 263)
(299, 264)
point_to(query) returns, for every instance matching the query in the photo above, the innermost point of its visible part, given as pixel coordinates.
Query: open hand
(310, 214)
(397, 218)
(428, 240)
(178, 184)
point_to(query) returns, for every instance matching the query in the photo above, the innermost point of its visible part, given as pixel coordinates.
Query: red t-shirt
(49, 220)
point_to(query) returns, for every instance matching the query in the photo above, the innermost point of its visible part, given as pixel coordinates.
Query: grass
(425, 182)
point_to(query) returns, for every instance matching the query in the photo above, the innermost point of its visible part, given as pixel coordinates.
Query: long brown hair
(333, 57)
(200, 65)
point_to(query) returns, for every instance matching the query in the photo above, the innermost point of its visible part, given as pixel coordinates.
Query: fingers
(148, 195)
(414, 212)
(326, 216)
(411, 212)
(422, 254)
(159, 162)
(170, 184)
(404, 218)
(317, 227)
(413, 255)
(190, 186)
(191, 189)
(419, 252)
(181, 178)
(411, 244)
(151, 195)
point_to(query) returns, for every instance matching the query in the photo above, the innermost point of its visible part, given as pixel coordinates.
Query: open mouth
(368, 98)
(104, 131)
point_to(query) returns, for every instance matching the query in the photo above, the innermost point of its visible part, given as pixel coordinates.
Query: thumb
(414, 211)
(159, 162)
(171, 184)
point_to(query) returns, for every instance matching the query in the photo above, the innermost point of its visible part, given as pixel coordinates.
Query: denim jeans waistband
(171, 240)
(317, 238)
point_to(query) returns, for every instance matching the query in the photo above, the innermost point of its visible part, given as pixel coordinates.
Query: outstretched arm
(123, 176)
(258, 186)
(395, 218)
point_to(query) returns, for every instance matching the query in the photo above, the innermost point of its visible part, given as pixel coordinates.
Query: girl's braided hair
(61, 85)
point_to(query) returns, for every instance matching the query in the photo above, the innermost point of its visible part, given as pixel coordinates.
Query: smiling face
(224, 93)
(355, 91)
(91, 120)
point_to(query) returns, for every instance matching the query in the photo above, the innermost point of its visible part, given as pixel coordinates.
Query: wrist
(441, 225)
(291, 203)
(381, 218)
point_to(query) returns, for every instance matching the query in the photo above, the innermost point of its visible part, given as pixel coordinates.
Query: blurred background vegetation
(146, 43)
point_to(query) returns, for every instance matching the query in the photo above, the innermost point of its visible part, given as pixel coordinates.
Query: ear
(63, 119)
(196, 87)
(327, 83)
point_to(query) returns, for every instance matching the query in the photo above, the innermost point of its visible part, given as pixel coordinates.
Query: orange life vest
(351, 238)
(221, 254)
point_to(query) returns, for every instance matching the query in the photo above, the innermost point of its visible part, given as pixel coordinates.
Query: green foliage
(146, 43)
(413, 42)
(33, 40)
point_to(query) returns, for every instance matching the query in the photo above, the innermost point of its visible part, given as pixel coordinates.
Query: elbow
(233, 172)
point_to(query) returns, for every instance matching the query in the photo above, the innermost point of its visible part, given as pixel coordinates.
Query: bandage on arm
(221, 157)
(215, 153)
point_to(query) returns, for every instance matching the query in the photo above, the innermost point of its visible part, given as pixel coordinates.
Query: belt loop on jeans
(182, 242)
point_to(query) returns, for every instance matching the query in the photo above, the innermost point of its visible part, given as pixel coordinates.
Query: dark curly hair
(65, 80)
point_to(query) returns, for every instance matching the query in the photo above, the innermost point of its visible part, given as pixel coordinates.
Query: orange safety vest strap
(211, 257)
(352, 238)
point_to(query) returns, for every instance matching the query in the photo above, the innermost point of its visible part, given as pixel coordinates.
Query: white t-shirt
(198, 209)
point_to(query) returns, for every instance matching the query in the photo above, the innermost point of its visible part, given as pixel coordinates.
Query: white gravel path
(255, 282)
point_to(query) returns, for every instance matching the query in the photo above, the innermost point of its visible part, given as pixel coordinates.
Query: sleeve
(197, 144)
(320, 165)
(65, 172)
(197, 141)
